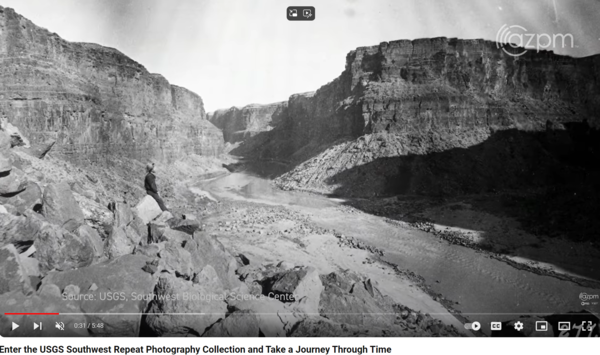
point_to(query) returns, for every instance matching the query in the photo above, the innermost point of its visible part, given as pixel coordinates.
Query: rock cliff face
(95, 101)
(242, 123)
(423, 97)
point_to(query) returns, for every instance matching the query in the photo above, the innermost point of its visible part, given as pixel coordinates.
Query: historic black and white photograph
(275, 168)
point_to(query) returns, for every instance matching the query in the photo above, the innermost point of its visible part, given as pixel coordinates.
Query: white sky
(237, 52)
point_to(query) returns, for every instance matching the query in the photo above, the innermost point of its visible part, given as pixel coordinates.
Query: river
(485, 288)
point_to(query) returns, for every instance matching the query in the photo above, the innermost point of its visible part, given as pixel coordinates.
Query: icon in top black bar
(301, 13)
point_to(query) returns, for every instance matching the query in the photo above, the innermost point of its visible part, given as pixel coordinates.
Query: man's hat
(150, 167)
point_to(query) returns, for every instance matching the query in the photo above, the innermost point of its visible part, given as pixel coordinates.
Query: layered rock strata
(94, 101)
(406, 99)
(239, 124)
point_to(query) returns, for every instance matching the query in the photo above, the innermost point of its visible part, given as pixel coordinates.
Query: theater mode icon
(541, 326)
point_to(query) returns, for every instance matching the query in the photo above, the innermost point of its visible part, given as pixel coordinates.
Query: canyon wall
(239, 124)
(94, 101)
(423, 97)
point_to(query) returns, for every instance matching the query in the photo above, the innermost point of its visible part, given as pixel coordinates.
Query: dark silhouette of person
(150, 185)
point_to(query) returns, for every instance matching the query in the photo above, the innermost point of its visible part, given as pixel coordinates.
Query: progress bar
(280, 313)
(32, 314)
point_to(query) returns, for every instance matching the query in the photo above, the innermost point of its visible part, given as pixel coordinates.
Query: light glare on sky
(237, 52)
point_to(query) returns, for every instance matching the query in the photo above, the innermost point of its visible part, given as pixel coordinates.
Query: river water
(486, 289)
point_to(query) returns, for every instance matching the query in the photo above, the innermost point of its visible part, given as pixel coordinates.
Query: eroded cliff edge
(95, 101)
(239, 124)
(436, 115)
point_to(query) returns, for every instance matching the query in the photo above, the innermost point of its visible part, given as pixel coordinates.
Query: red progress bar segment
(31, 314)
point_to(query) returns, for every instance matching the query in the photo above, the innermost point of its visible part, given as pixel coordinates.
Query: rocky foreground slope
(436, 115)
(63, 252)
(93, 101)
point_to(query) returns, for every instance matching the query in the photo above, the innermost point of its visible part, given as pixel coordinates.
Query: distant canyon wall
(239, 124)
(95, 101)
(411, 98)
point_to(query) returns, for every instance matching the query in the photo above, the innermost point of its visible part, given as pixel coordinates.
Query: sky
(238, 52)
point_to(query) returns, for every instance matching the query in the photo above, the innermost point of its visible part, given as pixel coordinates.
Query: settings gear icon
(518, 326)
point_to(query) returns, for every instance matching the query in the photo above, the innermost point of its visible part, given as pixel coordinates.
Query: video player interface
(334, 169)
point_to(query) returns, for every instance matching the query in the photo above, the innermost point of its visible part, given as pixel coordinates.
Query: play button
(14, 326)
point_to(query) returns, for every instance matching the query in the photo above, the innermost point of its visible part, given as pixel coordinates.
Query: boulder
(117, 286)
(16, 138)
(94, 213)
(176, 236)
(39, 150)
(308, 292)
(71, 225)
(162, 233)
(147, 209)
(237, 324)
(31, 266)
(156, 232)
(3, 209)
(13, 275)
(59, 204)
(27, 199)
(123, 215)
(275, 319)
(5, 164)
(300, 285)
(159, 230)
(59, 249)
(254, 275)
(141, 228)
(163, 218)
(150, 250)
(122, 241)
(207, 250)
(176, 260)
(173, 296)
(345, 300)
(152, 267)
(50, 300)
(188, 226)
(5, 141)
(19, 229)
(86, 232)
(12, 182)
(208, 278)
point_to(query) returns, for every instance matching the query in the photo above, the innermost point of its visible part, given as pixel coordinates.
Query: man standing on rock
(150, 185)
